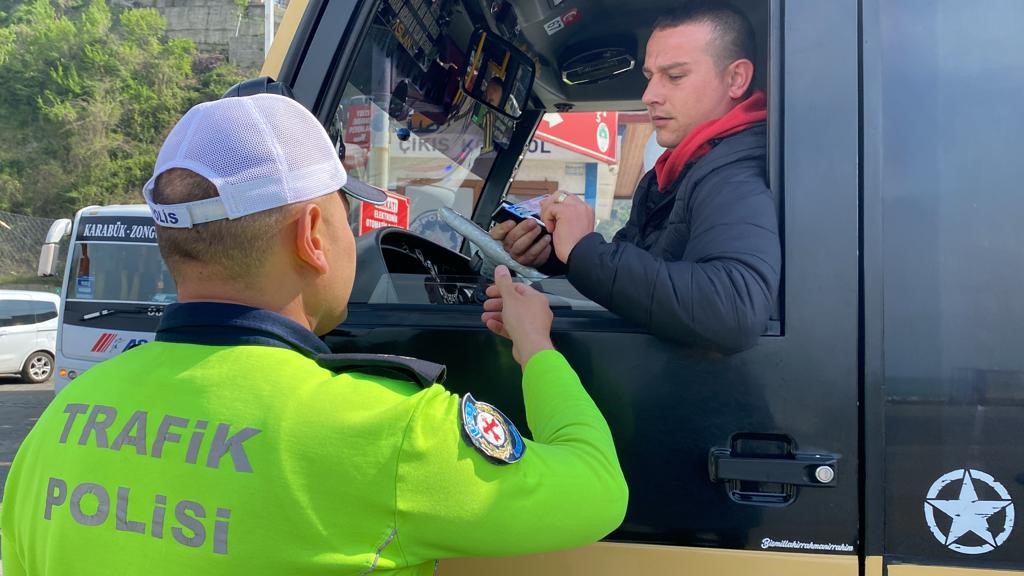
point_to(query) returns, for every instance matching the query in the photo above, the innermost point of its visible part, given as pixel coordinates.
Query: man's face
(493, 93)
(685, 86)
(340, 251)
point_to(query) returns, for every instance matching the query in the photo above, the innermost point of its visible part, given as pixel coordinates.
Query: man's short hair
(732, 32)
(235, 249)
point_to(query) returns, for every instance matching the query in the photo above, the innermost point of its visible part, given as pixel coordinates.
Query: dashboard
(395, 266)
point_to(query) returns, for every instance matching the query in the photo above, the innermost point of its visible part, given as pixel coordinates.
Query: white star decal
(969, 514)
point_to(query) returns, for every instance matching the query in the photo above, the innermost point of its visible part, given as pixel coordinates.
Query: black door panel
(667, 408)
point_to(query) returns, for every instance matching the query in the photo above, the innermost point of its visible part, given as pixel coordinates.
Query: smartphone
(520, 211)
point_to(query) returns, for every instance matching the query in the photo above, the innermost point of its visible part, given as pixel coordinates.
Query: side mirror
(261, 85)
(397, 105)
(48, 255)
(498, 75)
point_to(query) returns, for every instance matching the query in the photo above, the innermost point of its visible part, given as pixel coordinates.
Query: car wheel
(38, 367)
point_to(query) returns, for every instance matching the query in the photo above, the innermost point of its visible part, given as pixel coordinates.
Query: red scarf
(696, 144)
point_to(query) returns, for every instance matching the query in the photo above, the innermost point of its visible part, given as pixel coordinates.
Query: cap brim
(363, 191)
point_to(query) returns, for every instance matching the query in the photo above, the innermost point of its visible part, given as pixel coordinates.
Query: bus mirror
(48, 255)
(498, 75)
(48, 260)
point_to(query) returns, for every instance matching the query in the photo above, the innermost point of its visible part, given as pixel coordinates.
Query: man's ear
(739, 74)
(309, 238)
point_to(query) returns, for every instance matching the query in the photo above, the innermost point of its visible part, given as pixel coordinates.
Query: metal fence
(21, 238)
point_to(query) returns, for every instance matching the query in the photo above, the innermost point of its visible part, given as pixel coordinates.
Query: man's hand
(518, 313)
(525, 241)
(568, 219)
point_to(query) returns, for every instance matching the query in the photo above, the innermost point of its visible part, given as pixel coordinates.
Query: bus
(873, 429)
(114, 287)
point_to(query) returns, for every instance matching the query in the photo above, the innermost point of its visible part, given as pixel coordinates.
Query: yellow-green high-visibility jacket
(225, 448)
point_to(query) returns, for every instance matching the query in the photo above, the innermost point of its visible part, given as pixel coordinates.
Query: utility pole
(268, 26)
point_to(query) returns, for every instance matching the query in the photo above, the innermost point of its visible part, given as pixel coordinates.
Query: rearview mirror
(498, 75)
(48, 254)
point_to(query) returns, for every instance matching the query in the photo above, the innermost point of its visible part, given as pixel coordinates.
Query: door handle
(766, 470)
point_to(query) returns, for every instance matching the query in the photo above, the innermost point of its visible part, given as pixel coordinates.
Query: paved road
(20, 406)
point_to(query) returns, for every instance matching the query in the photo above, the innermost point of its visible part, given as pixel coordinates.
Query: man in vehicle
(495, 89)
(237, 444)
(699, 260)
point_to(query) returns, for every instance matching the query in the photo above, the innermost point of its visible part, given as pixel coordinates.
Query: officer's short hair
(237, 248)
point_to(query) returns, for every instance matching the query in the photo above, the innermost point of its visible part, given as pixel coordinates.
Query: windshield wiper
(147, 310)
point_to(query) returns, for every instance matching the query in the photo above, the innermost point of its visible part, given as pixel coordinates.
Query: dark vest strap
(419, 371)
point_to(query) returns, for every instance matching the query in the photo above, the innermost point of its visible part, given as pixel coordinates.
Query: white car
(28, 333)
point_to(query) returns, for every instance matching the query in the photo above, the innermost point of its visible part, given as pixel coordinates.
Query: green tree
(90, 93)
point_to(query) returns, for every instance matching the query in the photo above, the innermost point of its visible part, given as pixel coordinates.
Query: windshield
(119, 272)
(404, 126)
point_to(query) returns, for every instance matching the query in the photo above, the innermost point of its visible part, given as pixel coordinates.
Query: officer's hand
(569, 219)
(518, 313)
(524, 241)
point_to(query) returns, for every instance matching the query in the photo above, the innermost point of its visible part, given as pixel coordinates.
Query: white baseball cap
(261, 152)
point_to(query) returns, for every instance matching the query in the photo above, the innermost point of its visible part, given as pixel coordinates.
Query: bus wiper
(147, 310)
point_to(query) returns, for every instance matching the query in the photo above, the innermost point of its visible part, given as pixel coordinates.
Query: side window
(6, 313)
(603, 157)
(16, 313)
(44, 311)
(600, 156)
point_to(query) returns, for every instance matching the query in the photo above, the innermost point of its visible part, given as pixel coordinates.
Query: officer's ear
(309, 237)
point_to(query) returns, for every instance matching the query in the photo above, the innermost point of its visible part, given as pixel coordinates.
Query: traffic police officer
(236, 444)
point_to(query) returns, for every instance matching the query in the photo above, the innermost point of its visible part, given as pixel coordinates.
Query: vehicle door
(742, 464)
(17, 333)
(45, 312)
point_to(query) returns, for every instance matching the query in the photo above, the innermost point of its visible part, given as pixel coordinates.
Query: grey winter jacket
(702, 268)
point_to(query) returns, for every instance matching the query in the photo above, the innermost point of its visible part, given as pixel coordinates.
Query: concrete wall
(218, 26)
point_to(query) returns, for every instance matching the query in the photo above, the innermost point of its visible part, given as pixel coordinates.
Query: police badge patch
(489, 431)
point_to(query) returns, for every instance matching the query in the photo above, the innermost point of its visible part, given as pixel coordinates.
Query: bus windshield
(404, 125)
(119, 272)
